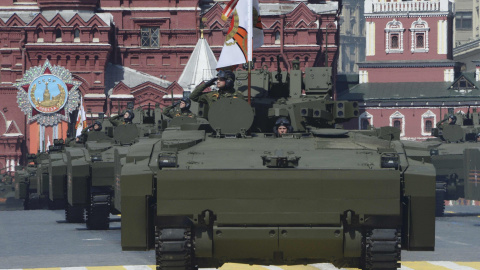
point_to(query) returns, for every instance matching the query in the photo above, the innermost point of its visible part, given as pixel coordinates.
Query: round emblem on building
(47, 94)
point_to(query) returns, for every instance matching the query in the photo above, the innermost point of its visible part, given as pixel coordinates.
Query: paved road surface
(33, 239)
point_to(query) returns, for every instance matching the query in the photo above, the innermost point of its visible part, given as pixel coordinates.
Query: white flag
(235, 49)
(81, 119)
(48, 143)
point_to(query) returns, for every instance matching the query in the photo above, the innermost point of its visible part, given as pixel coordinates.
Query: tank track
(382, 249)
(440, 192)
(32, 202)
(74, 214)
(174, 249)
(98, 212)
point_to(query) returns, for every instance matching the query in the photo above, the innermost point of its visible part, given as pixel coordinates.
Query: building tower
(409, 79)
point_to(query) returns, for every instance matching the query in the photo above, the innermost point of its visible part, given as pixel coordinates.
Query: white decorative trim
(363, 116)
(448, 75)
(442, 41)
(398, 116)
(95, 96)
(426, 116)
(370, 38)
(363, 76)
(167, 97)
(419, 26)
(121, 96)
(394, 27)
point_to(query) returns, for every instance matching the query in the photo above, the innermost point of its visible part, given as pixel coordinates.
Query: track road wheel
(98, 213)
(439, 202)
(174, 249)
(74, 214)
(382, 248)
(33, 202)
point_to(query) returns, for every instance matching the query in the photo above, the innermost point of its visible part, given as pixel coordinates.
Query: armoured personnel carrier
(231, 190)
(7, 191)
(90, 177)
(27, 183)
(456, 155)
(57, 172)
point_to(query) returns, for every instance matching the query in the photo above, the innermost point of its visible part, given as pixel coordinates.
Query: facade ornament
(48, 94)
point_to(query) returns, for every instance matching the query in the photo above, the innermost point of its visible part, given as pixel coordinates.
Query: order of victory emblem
(48, 94)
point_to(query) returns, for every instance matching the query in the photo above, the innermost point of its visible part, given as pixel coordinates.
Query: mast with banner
(244, 35)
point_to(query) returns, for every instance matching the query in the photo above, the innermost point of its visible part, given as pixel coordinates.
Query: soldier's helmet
(130, 117)
(282, 121)
(187, 101)
(229, 77)
(454, 119)
(99, 126)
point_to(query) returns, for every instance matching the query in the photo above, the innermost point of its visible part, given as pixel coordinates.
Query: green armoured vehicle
(233, 191)
(27, 183)
(57, 173)
(90, 177)
(456, 157)
(7, 191)
(32, 181)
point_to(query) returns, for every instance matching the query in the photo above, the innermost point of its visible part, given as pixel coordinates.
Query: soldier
(225, 80)
(127, 118)
(179, 108)
(97, 126)
(282, 126)
(451, 120)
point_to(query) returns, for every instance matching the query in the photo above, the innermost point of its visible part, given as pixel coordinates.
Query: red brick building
(409, 79)
(135, 50)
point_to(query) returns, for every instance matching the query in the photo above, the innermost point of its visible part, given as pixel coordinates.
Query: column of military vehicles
(222, 187)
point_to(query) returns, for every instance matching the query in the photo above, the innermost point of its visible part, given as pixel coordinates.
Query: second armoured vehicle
(231, 190)
(456, 158)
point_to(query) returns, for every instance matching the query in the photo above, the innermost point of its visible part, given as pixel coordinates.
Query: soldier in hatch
(122, 119)
(97, 126)
(179, 108)
(282, 126)
(450, 120)
(225, 80)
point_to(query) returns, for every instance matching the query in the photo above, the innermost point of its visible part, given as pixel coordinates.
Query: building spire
(200, 66)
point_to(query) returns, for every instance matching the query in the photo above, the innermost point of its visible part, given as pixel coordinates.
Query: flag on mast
(236, 49)
(48, 143)
(81, 119)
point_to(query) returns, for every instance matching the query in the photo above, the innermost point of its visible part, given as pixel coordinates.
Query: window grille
(150, 37)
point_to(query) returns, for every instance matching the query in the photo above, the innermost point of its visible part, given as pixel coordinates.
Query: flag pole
(250, 47)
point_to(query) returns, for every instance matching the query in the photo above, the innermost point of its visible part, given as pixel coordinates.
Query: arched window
(59, 58)
(95, 35)
(428, 118)
(394, 41)
(397, 120)
(58, 35)
(40, 35)
(76, 35)
(428, 126)
(277, 37)
(365, 120)
(365, 124)
(419, 30)
(397, 124)
(394, 37)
